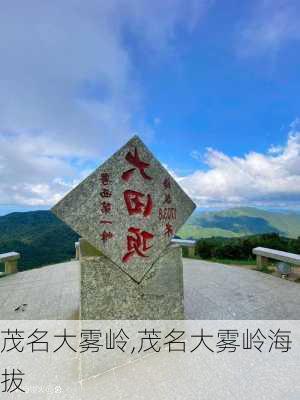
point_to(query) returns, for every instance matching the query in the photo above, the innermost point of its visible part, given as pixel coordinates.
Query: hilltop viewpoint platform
(211, 291)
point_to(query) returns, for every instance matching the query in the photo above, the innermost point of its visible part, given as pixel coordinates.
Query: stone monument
(128, 210)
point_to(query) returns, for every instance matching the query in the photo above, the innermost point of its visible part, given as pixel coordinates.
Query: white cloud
(196, 155)
(68, 86)
(275, 149)
(255, 179)
(273, 24)
(29, 172)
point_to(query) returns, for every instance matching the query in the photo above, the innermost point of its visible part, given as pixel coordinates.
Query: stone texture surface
(108, 293)
(160, 208)
(211, 291)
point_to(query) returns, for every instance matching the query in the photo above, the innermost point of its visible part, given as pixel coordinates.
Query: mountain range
(42, 239)
(39, 237)
(241, 221)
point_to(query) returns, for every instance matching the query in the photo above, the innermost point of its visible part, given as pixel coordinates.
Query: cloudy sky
(212, 87)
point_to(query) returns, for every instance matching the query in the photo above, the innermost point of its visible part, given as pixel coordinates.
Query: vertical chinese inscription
(167, 213)
(137, 240)
(105, 207)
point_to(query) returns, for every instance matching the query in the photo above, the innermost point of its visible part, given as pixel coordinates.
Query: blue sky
(212, 88)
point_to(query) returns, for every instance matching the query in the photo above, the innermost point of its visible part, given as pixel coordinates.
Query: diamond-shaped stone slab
(129, 208)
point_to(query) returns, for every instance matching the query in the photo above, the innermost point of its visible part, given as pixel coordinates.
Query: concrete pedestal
(107, 293)
(11, 267)
(191, 251)
(261, 261)
(10, 261)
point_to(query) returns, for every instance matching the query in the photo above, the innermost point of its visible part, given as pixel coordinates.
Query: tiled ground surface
(212, 291)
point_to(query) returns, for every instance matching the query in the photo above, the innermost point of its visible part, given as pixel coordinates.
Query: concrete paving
(190, 375)
(51, 292)
(200, 375)
(212, 291)
(217, 291)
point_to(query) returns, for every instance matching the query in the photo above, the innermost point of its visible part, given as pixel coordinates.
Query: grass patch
(266, 269)
(233, 262)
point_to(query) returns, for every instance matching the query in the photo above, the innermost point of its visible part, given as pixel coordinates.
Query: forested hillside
(39, 236)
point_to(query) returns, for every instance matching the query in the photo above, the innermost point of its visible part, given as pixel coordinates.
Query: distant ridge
(42, 239)
(39, 236)
(241, 221)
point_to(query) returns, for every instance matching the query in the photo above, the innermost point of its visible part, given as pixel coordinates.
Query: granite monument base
(108, 293)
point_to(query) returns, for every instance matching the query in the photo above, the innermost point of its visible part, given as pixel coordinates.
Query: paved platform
(51, 292)
(200, 375)
(212, 291)
(217, 291)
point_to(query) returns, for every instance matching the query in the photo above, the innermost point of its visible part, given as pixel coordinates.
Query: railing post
(11, 266)
(191, 251)
(77, 251)
(261, 261)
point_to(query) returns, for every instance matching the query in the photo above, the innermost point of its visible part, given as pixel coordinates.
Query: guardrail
(190, 244)
(10, 261)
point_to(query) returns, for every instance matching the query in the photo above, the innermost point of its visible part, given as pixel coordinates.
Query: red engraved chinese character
(105, 193)
(105, 207)
(105, 236)
(137, 244)
(168, 198)
(169, 230)
(137, 163)
(135, 205)
(167, 183)
(104, 177)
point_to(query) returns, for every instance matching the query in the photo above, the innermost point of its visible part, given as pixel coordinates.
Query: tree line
(241, 248)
